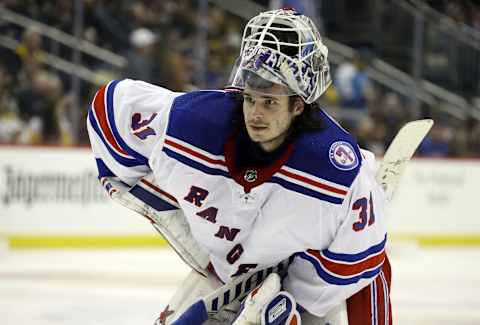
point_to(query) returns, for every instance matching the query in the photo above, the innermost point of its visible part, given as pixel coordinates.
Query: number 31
(363, 205)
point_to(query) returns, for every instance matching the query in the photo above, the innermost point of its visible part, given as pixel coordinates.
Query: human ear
(298, 107)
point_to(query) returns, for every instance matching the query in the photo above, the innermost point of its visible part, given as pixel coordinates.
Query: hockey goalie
(273, 205)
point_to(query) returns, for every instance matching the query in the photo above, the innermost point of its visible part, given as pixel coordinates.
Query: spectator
(354, 88)
(370, 135)
(142, 58)
(467, 139)
(438, 141)
(36, 104)
(473, 128)
(63, 111)
(178, 71)
(10, 122)
(169, 30)
(392, 112)
(29, 49)
(476, 16)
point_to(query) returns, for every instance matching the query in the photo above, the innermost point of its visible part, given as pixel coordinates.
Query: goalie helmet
(283, 47)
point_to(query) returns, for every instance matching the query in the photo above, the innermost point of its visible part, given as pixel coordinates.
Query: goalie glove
(196, 314)
(267, 305)
(167, 218)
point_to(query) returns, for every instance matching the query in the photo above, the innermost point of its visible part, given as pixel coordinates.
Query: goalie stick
(399, 153)
(388, 175)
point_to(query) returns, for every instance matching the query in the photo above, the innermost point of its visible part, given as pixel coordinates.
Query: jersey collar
(252, 176)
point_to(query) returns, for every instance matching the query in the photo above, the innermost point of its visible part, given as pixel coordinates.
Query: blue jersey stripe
(305, 191)
(152, 200)
(111, 120)
(287, 185)
(356, 257)
(127, 162)
(194, 164)
(327, 277)
(103, 170)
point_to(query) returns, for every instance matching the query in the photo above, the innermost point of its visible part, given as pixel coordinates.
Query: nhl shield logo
(343, 156)
(250, 175)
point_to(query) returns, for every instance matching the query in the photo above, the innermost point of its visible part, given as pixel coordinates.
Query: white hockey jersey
(318, 203)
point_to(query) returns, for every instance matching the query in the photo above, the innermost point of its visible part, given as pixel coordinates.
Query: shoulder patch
(343, 156)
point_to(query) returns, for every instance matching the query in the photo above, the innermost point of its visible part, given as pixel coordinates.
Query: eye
(248, 99)
(270, 102)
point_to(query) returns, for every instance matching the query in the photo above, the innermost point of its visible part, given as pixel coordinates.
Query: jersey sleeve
(322, 279)
(125, 120)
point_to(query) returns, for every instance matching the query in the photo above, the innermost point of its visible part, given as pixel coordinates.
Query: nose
(257, 111)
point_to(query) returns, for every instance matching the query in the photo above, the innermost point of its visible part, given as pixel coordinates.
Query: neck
(251, 153)
(273, 144)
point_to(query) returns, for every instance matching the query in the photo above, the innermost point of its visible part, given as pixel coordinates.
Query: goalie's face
(269, 115)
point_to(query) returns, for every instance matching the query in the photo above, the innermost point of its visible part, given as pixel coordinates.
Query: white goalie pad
(147, 199)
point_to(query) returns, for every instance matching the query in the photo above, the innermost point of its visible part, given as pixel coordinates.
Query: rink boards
(50, 197)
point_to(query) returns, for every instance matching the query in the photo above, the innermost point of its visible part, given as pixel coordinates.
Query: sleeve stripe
(158, 190)
(345, 270)
(337, 280)
(154, 201)
(355, 257)
(101, 117)
(103, 170)
(111, 118)
(128, 162)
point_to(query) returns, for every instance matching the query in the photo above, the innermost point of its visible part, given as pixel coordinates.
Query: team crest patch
(343, 156)
(250, 175)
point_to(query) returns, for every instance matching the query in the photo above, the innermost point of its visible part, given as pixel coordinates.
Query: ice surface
(120, 287)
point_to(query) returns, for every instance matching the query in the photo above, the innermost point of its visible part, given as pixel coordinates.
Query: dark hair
(309, 120)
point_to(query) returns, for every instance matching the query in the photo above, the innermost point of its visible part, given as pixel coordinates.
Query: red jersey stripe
(343, 269)
(157, 189)
(194, 153)
(381, 301)
(101, 114)
(312, 182)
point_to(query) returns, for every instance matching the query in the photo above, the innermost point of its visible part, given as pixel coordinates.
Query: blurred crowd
(160, 40)
(374, 114)
(465, 12)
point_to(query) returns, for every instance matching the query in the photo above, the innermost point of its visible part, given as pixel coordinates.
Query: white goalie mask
(283, 47)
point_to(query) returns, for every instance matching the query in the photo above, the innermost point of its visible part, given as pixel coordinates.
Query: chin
(256, 139)
(254, 136)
